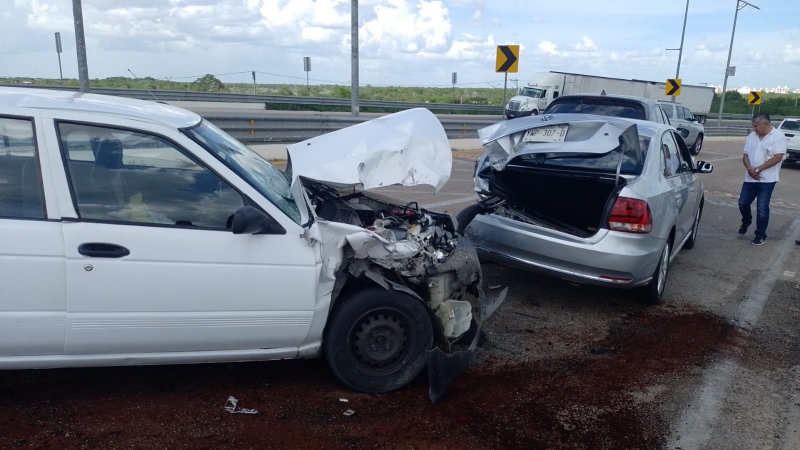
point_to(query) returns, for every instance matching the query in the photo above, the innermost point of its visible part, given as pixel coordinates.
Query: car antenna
(148, 90)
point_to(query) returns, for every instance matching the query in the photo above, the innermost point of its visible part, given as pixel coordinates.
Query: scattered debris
(528, 315)
(601, 350)
(232, 406)
(344, 400)
(349, 412)
(568, 426)
(496, 286)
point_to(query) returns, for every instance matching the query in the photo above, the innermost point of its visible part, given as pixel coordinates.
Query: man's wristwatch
(757, 170)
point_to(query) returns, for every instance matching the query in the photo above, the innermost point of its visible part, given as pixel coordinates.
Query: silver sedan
(591, 199)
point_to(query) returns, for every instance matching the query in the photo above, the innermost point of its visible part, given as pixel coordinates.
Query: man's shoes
(742, 230)
(758, 241)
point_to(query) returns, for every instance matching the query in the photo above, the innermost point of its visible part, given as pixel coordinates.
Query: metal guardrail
(260, 129)
(194, 96)
(727, 131)
(284, 129)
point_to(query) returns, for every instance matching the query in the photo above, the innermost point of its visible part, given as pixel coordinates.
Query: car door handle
(99, 250)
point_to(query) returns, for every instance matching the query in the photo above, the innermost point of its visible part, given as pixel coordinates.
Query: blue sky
(406, 42)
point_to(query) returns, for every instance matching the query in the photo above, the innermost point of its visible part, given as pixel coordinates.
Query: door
(152, 265)
(690, 180)
(688, 121)
(32, 279)
(675, 172)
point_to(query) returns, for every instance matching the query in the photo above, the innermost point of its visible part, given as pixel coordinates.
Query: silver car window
(670, 156)
(668, 110)
(657, 117)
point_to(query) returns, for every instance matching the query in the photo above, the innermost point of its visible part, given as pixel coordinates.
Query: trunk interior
(576, 203)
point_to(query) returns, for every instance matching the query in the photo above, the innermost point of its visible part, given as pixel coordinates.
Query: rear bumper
(609, 258)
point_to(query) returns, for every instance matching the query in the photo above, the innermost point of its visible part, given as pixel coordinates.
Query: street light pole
(680, 51)
(354, 56)
(740, 5)
(80, 43)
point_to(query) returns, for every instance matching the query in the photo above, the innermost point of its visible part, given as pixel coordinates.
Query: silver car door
(680, 191)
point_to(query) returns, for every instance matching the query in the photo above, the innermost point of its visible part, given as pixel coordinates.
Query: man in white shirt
(764, 150)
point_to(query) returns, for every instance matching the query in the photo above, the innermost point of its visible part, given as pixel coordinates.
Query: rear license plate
(554, 133)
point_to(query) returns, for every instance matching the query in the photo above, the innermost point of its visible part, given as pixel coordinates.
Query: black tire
(654, 291)
(689, 244)
(375, 340)
(466, 215)
(698, 144)
(508, 117)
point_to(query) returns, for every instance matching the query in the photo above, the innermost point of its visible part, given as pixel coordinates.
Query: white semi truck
(544, 87)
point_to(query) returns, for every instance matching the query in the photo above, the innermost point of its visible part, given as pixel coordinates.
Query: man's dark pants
(751, 191)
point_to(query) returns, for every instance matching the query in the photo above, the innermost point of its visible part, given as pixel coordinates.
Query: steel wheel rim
(379, 340)
(663, 268)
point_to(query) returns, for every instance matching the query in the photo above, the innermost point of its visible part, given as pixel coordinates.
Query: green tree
(208, 83)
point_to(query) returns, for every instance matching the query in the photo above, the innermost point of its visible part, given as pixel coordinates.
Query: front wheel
(375, 340)
(654, 291)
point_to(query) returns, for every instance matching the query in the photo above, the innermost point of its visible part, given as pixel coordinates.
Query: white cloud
(586, 45)
(791, 55)
(548, 48)
(496, 22)
(400, 25)
(477, 4)
(477, 19)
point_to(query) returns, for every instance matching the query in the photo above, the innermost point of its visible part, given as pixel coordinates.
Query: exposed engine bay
(412, 248)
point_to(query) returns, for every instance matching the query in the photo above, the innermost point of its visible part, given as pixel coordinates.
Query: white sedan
(134, 232)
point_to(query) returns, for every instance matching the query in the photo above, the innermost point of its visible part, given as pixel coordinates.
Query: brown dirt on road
(604, 400)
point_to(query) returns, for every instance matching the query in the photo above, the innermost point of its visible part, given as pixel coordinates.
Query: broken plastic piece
(496, 286)
(349, 412)
(344, 400)
(232, 406)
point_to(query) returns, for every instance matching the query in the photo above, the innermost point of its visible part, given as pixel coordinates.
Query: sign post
(507, 61)
(58, 52)
(455, 78)
(307, 68)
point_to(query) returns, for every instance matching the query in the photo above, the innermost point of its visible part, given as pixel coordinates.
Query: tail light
(630, 215)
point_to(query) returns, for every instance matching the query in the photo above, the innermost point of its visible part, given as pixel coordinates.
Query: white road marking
(695, 424)
(789, 274)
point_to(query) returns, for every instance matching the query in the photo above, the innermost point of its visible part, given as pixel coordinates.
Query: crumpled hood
(587, 134)
(408, 148)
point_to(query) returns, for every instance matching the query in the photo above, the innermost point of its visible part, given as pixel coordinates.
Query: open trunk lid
(563, 172)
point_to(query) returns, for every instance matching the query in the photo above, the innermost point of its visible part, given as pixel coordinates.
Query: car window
(668, 110)
(683, 152)
(657, 117)
(666, 118)
(687, 115)
(126, 176)
(670, 156)
(20, 177)
(599, 106)
(790, 125)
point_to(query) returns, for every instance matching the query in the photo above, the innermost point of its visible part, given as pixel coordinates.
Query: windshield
(531, 92)
(599, 106)
(270, 181)
(790, 125)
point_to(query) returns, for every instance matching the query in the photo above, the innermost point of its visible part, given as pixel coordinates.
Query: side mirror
(249, 220)
(704, 167)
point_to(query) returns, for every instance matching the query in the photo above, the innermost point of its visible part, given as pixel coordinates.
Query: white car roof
(47, 99)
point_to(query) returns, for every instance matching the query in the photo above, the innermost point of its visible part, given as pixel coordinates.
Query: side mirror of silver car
(704, 167)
